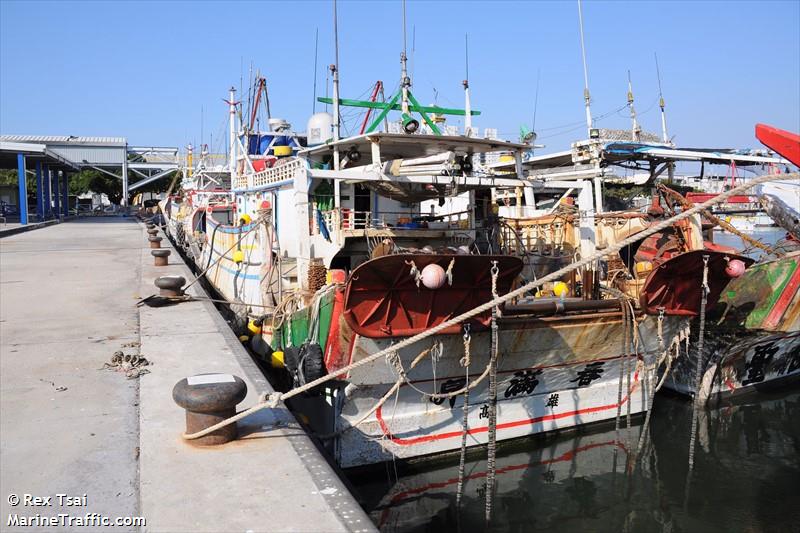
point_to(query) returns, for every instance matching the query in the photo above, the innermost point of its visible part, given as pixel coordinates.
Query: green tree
(97, 182)
(9, 177)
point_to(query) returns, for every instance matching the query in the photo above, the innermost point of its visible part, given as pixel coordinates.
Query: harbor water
(745, 476)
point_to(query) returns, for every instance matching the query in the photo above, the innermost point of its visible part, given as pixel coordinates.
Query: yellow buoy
(238, 256)
(253, 328)
(245, 219)
(560, 289)
(643, 267)
(282, 151)
(276, 360)
(244, 338)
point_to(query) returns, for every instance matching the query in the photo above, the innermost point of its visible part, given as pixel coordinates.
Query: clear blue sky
(144, 69)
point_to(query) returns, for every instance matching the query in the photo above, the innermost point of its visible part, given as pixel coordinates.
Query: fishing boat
(204, 217)
(330, 259)
(753, 329)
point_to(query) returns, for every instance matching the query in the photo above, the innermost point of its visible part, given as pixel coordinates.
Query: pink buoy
(735, 268)
(433, 276)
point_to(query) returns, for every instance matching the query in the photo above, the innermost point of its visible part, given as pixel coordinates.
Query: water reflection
(746, 478)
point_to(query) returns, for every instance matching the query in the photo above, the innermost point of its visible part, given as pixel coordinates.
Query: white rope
(271, 400)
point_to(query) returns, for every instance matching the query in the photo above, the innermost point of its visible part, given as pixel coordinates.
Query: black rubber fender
(313, 363)
(291, 358)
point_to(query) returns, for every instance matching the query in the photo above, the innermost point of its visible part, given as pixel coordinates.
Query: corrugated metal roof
(94, 154)
(66, 139)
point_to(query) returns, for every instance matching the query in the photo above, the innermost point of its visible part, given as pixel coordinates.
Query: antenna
(586, 95)
(405, 81)
(466, 56)
(635, 129)
(249, 91)
(316, 50)
(201, 129)
(535, 107)
(664, 135)
(404, 28)
(467, 105)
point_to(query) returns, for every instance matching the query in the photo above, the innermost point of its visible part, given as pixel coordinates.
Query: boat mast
(664, 135)
(336, 118)
(598, 195)
(635, 129)
(409, 124)
(535, 108)
(467, 106)
(232, 134)
(586, 95)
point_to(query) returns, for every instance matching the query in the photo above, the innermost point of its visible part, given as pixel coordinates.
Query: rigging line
(569, 124)
(658, 75)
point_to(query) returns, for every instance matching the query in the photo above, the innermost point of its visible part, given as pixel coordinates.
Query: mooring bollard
(155, 242)
(160, 257)
(209, 399)
(152, 231)
(170, 285)
(150, 225)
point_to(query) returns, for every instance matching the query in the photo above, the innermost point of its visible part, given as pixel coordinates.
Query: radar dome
(320, 128)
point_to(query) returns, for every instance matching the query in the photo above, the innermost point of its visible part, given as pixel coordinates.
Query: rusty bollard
(152, 231)
(150, 225)
(170, 285)
(155, 242)
(208, 400)
(160, 257)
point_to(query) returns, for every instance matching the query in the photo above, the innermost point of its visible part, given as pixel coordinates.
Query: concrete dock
(68, 426)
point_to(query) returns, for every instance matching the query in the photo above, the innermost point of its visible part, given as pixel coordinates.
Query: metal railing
(269, 176)
(349, 219)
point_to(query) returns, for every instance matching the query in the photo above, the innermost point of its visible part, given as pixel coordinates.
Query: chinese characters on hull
(590, 372)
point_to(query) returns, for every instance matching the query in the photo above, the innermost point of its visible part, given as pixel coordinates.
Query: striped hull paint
(237, 282)
(552, 375)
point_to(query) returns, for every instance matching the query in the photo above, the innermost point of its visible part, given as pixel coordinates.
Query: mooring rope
(271, 400)
(465, 361)
(624, 311)
(491, 445)
(696, 404)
